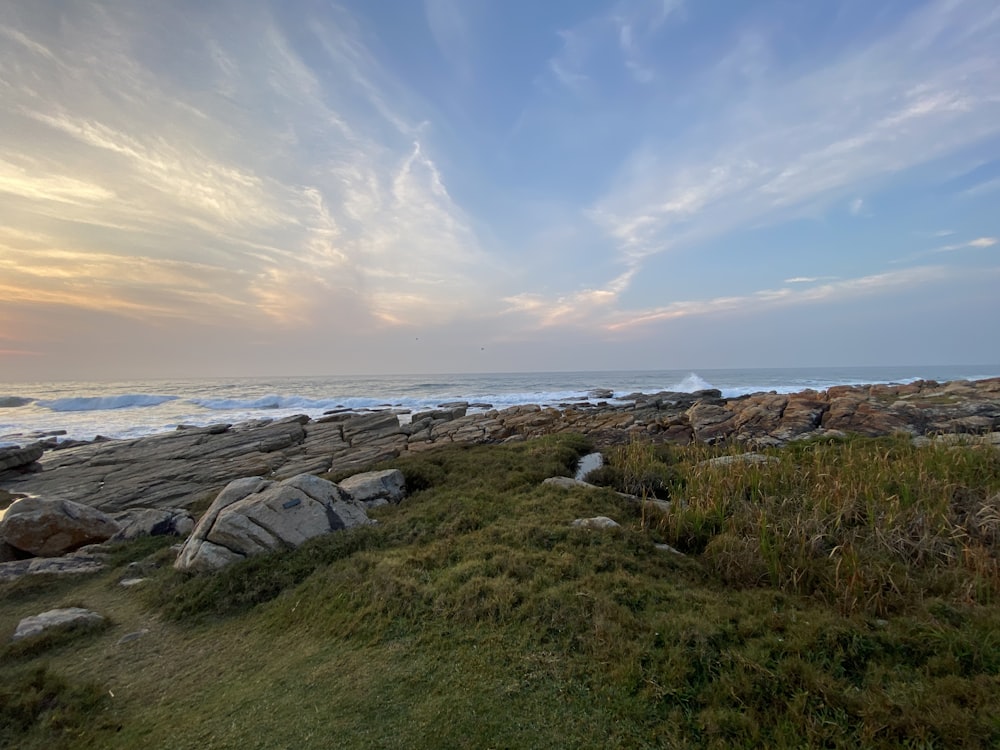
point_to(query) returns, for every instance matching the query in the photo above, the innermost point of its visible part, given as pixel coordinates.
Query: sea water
(127, 409)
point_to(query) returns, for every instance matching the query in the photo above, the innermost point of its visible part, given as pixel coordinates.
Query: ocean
(128, 409)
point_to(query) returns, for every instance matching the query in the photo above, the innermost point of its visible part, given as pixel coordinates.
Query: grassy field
(842, 594)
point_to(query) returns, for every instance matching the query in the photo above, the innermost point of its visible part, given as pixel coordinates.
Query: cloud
(808, 279)
(784, 144)
(983, 242)
(982, 188)
(977, 243)
(137, 188)
(627, 30)
(856, 206)
(874, 284)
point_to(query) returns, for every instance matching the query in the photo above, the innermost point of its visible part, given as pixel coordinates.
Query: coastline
(178, 468)
(73, 410)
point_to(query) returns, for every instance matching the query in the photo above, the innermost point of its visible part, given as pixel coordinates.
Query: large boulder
(374, 488)
(48, 527)
(252, 516)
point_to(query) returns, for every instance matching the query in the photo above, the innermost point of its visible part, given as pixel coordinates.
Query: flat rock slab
(53, 566)
(55, 618)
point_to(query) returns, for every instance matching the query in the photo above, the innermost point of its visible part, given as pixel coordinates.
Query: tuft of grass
(40, 709)
(868, 525)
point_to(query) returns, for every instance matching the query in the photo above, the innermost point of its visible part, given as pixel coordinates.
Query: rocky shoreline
(181, 469)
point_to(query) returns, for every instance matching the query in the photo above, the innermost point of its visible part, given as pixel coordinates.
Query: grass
(843, 596)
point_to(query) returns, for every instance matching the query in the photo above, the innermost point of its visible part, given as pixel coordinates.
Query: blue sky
(252, 187)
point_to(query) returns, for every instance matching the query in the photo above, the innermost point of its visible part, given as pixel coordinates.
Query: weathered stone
(374, 488)
(568, 483)
(75, 564)
(55, 618)
(252, 516)
(48, 526)
(803, 413)
(710, 422)
(597, 523)
(137, 522)
(739, 458)
(16, 458)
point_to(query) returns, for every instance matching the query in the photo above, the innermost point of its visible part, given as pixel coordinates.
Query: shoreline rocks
(183, 468)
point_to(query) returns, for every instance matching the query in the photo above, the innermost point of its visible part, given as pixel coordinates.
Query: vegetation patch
(843, 594)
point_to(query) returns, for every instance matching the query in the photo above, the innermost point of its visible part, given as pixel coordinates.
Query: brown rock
(710, 422)
(50, 527)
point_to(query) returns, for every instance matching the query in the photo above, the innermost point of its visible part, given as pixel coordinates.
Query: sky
(305, 187)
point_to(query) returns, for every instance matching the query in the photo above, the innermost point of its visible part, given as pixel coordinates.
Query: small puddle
(587, 464)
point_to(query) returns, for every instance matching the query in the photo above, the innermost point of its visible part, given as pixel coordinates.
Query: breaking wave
(105, 403)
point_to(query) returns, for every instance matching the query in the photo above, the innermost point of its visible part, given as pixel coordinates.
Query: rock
(454, 412)
(55, 618)
(137, 522)
(710, 422)
(128, 583)
(568, 483)
(668, 548)
(739, 458)
(133, 636)
(597, 522)
(16, 458)
(252, 516)
(48, 527)
(74, 564)
(8, 553)
(374, 488)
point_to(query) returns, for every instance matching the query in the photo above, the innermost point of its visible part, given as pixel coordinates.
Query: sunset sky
(212, 187)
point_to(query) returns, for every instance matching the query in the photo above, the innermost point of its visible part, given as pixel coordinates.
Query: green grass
(474, 616)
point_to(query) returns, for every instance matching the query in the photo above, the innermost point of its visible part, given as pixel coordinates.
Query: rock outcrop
(51, 527)
(16, 458)
(137, 522)
(375, 488)
(181, 468)
(252, 516)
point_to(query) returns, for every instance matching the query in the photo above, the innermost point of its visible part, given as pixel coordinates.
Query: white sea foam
(104, 403)
(691, 383)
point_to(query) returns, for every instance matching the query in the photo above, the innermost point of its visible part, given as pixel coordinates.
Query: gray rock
(668, 548)
(48, 526)
(597, 522)
(16, 458)
(568, 483)
(55, 618)
(252, 516)
(133, 636)
(138, 522)
(739, 458)
(374, 488)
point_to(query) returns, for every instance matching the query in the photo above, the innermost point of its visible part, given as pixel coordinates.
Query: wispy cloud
(278, 199)
(808, 279)
(785, 145)
(874, 284)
